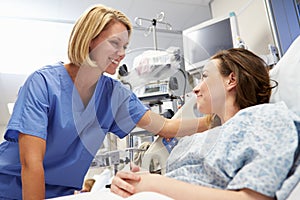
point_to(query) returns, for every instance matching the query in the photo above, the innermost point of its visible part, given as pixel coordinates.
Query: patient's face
(210, 91)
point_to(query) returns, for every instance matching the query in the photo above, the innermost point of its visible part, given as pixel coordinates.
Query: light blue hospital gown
(254, 149)
(49, 107)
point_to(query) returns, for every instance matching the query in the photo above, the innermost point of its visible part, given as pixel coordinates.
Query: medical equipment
(200, 42)
(149, 80)
(159, 20)
(153, 89)
(116, 158)
(153, 65)
(112, 158)
(158, 76)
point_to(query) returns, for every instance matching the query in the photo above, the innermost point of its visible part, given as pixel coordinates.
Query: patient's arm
(127, 183)
(169, 128)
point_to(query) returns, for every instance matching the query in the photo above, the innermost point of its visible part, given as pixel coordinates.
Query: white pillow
(101, 180)
(287, 74)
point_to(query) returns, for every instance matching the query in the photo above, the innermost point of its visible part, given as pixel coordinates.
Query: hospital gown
(254, 149)
(49, 107)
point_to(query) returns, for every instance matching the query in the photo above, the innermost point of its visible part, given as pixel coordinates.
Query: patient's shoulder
(265, 111)
(267, 121)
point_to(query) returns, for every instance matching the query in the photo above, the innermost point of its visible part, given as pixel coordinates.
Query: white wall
(2, 129)
(252, 19)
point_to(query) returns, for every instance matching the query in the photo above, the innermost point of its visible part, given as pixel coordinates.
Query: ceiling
(181, 14)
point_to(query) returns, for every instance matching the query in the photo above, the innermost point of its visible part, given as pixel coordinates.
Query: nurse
(64, 111)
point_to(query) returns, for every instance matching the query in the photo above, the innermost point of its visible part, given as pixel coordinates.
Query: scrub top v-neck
(49, 107)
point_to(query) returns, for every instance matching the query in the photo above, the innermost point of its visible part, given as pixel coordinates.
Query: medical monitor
(202, 41)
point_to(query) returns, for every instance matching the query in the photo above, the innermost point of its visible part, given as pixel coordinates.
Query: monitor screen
(204, 40)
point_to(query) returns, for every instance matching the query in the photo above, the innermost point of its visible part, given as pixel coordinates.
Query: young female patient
(244, 158)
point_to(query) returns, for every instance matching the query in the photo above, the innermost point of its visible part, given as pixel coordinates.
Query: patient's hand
(121, 182)
(134, 168)
(147, 182)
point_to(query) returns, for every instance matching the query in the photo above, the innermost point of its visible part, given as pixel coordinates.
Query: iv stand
(152, 27)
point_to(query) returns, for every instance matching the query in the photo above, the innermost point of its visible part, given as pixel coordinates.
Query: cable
(244, 7)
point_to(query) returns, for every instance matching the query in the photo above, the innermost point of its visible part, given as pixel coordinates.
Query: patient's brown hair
(253, 81)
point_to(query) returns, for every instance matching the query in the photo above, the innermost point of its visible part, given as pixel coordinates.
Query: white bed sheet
(111, 196)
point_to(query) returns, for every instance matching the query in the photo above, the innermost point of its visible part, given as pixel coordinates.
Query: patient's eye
(203, 76)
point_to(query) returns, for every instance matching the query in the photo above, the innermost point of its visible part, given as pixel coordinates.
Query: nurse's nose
(121, 52)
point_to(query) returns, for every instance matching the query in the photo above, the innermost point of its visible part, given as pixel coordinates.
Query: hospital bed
(286, 73)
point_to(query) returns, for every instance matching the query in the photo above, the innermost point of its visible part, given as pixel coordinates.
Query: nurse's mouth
(114, 61)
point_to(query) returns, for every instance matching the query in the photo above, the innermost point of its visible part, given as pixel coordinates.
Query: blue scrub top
(49, 107)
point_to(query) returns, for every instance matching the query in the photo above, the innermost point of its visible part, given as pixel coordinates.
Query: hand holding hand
(121, 182)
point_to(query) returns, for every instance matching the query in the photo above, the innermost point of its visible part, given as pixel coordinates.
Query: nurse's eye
(115, 44)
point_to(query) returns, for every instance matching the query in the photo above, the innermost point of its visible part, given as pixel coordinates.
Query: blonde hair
(89, 26)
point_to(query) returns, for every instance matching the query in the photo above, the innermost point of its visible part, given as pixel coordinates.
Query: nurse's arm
(32, 151)
(169, 128)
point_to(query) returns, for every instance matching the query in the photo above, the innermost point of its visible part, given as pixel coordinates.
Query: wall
(252, 19)
(2, 129)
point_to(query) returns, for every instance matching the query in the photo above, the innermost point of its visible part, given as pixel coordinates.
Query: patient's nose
(196, 89)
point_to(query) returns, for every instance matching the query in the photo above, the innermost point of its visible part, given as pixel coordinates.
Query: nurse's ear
(230, 82)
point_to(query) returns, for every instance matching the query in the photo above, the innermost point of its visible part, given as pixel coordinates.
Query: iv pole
(158, 20)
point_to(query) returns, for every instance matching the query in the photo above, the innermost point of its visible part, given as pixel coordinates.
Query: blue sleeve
(30, 111)
(128, 113)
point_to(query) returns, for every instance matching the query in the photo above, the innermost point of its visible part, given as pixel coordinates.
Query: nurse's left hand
(120, 184)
